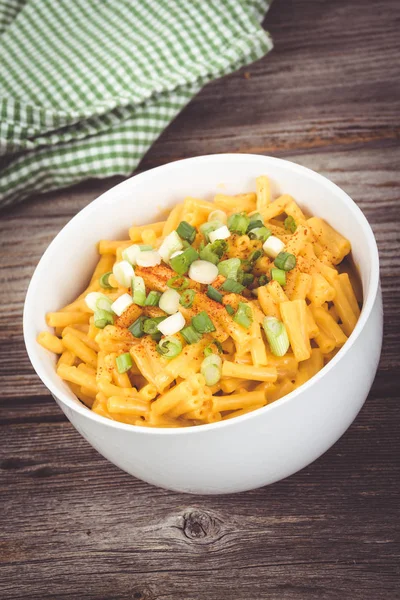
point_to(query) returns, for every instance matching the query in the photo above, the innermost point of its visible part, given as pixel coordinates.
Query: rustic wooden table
(76, 527)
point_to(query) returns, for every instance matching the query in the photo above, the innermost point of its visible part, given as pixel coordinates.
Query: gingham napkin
(88, 85)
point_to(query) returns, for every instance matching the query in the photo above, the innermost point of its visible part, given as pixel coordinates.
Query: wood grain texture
(73, 525)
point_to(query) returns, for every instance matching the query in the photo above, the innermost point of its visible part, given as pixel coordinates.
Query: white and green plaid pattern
(88, 85)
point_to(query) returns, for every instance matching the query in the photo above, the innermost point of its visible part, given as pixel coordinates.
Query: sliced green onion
(285, 261)
(222, 233)
(103, 318)
(208, 350)
(277, 335)
(278, 275)
(169, 347)
(202, 323)
(244, 315)
(217, 215)
(190, 335)
(238, 223)
(211, 374)
(138, 290)
(123, 272)
(246, 266)
(151, 325)
(245, 278)
(96, 300)
(182, 262)
(136, 328)
(156, 336)
(121, 304)
(207, 228)
(218, 345)
(248, 279)
(219, 247)
(104, 304)
(169, 301)
(148, 258)
(256, 217)
(256, 221)
(131, 253)
(259, 233)
(211, 369)
(171, 243)
(186, 231)
(214, 294)
(103, 281)
(172, 324)
(207, 254)
(153, 298)
(273, 246)
(263, 279)
(255, 225)
(203, 271)
(213, 359)
(178, 283)
(230, 285)
(123, 362)
(214, 251)
(290, 224)
(229, 309)
(254, 256)
(229, 268)
(186, 299)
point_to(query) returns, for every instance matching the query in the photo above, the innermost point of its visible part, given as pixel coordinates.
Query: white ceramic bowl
(258, 448)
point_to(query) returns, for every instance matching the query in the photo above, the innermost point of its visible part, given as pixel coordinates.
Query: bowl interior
(70, 259)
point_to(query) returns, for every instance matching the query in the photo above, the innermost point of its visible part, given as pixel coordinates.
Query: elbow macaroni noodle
(317, 305)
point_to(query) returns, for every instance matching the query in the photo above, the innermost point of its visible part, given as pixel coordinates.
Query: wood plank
(96, 523)
(332, 80)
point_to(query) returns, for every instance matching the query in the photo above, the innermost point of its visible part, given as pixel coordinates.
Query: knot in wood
(198, 525)
(144, 593)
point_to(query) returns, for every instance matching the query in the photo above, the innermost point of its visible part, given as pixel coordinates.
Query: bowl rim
(31, 343)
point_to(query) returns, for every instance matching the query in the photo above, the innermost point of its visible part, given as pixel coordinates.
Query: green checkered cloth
(88, 85)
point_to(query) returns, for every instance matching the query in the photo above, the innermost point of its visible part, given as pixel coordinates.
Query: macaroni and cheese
(219, 310)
